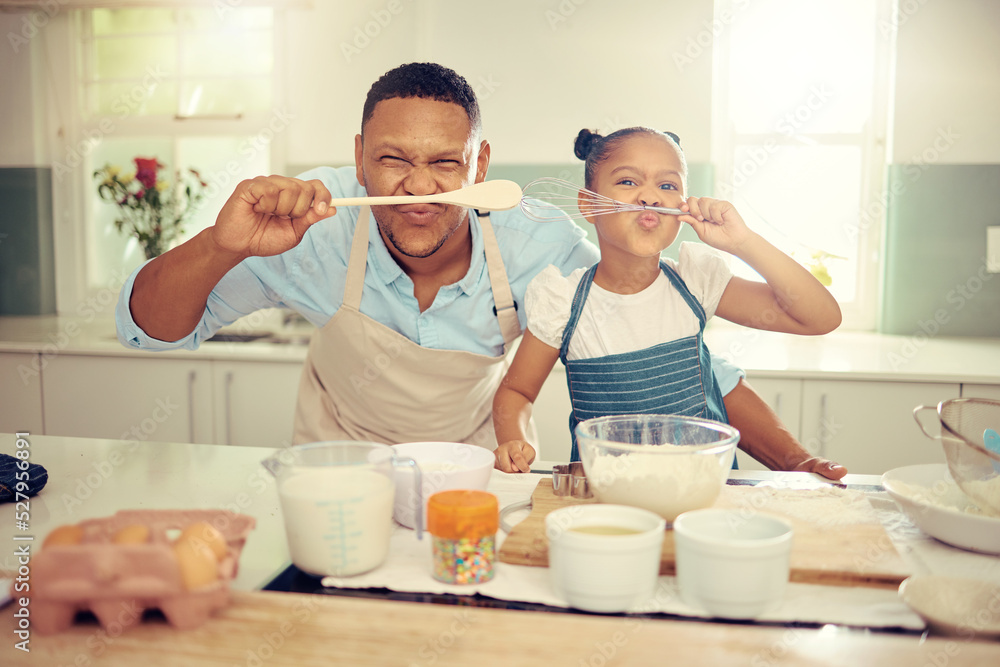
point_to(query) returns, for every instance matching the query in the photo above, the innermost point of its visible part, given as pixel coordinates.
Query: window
(194, 88)
(800, 122)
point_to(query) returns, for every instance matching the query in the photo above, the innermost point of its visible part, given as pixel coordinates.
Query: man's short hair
(428, 80)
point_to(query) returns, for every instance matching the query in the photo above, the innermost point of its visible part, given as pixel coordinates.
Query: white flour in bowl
(986, 493)
(945, 493)
(667, 484)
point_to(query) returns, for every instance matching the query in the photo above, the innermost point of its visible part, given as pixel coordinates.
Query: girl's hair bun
(585, 141)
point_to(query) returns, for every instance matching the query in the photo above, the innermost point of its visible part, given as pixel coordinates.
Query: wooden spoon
(485, 196)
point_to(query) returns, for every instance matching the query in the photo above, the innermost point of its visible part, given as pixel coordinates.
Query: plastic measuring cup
(337, 500)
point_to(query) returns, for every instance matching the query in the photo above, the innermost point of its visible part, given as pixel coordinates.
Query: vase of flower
(150, 208)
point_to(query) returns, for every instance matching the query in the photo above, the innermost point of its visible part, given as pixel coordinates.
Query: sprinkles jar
(463, 527)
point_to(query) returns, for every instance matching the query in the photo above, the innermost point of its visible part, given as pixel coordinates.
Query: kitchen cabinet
(128, 398)
(21, 399)
(868, 426)
(551, 416)
(981, 391)
(784, 396)
(255, 402)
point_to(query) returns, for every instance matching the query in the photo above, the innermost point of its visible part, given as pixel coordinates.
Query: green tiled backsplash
(701, 180)
(935, 280)
(27, 261)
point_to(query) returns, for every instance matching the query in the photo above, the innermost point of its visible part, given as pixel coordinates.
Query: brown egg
(205, 534)
(136, 533)
(198, 565)
(67, 535)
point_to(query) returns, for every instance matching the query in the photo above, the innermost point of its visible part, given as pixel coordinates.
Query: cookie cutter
(570, 480)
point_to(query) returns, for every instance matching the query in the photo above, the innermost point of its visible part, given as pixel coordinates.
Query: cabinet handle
(777, 404)
(229, 422)
(822, 425)
(192, 376)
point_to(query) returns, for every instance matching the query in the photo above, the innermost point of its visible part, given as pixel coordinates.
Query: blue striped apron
(673, 378)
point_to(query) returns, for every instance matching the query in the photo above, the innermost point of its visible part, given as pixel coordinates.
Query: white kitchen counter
(54, 334)
(92, 478)
(857, 355)
(845, 355)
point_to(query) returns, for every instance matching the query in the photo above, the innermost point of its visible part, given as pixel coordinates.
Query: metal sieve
(974, 468)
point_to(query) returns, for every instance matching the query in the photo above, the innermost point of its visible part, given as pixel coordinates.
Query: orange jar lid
(461, 513)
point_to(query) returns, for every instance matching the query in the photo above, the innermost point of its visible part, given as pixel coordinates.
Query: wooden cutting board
(825, 548)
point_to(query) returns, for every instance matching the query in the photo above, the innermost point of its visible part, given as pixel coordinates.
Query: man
(416, 308)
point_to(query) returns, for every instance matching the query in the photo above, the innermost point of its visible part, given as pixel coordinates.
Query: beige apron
(364, 381)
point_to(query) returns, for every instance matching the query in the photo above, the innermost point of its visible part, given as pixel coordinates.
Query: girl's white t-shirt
(616, 323)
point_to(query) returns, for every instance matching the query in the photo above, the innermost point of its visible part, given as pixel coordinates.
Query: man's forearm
(169, 294)
(762, 434)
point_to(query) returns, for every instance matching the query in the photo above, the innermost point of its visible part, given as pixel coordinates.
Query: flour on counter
(824, 506)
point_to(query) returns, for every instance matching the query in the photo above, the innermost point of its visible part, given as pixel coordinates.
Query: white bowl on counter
(954, 606)
(732, 565)
(923, 492)
(443, 466)
(604, 558)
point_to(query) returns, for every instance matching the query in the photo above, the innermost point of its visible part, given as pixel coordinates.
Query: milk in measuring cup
(338, 520)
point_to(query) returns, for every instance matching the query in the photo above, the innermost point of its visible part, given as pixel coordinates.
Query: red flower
(145, 171)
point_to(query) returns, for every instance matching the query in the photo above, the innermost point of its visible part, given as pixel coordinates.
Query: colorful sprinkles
(464, 560)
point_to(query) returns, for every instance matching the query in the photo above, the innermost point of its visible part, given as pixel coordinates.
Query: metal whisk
(545, 198)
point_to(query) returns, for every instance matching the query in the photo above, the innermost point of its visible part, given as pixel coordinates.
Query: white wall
(546, 69)
(22, 140)
(543, 70)
(948, 76)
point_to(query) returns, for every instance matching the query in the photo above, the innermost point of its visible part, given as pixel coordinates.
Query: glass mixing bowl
(667, 464)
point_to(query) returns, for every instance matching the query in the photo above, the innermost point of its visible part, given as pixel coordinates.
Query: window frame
(874, 141)
(76, 131)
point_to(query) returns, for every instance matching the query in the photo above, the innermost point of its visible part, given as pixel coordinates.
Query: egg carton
(118, 582)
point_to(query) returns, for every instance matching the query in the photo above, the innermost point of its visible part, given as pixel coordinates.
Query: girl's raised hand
(716, 221)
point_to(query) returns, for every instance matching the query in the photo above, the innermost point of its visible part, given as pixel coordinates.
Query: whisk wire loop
(544, 198)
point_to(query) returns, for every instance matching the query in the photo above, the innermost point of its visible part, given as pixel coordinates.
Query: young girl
(629, 329)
